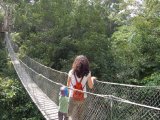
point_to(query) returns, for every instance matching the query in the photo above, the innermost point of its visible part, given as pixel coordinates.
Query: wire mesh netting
(98, 107)
(109, 101)
(148, 95)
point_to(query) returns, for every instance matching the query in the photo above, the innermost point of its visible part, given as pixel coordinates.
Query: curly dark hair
(81, 66)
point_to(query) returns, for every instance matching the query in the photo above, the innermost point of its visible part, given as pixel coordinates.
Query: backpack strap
(77, 80)
(80, 80)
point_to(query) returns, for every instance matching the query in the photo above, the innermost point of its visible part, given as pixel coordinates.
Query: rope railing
(107, 102)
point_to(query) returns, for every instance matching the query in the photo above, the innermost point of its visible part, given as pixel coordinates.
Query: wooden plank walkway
(47, 107)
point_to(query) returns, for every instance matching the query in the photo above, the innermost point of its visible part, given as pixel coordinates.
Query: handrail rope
(129, 85)
(99, 95)
(112, 83)
(133, 103)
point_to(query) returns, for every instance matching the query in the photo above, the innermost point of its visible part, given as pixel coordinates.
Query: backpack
(77, 95)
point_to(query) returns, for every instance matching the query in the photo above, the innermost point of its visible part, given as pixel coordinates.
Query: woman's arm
(90, 82)
(68, 81)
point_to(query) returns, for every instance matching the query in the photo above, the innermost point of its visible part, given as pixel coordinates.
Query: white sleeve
(89, 74)
(70, 73)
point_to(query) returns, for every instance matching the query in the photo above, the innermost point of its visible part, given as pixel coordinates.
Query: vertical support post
(111, 106)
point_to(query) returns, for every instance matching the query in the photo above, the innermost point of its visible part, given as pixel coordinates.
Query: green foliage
(15, 103)
(1, 16)
(58, 27)
(152, 80)
(136, 47)
(5, 66)
(3, 58)
(120, 38)
(97, 48)
(64, 53)
(126, 54)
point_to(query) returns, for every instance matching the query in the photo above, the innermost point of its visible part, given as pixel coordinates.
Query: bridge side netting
(57, 76)
(148, 95)
(98, 107)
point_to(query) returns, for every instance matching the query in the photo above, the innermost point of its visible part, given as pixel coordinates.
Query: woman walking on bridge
(78, 77)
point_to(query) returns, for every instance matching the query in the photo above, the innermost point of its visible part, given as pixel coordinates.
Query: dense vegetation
(121, 38)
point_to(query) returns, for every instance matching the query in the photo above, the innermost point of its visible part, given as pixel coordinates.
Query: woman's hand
(91, 81)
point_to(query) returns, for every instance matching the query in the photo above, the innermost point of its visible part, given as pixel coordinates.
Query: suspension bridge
(107, 101)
